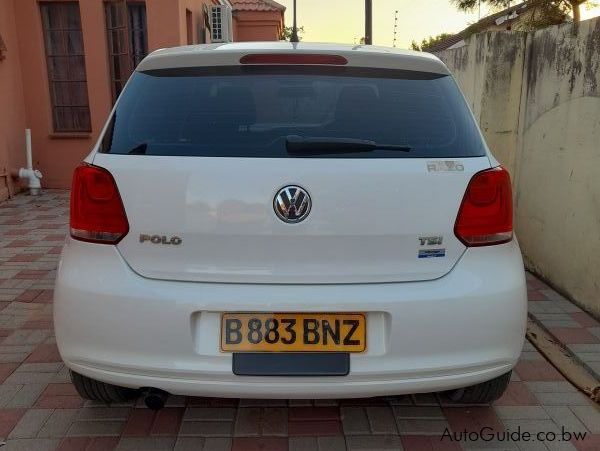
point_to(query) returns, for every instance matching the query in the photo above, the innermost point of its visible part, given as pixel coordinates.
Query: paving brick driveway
(39, 409)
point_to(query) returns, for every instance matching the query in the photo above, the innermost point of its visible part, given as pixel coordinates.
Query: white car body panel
(364, 226)
(229, 54)
(140, 315)
(116, 326)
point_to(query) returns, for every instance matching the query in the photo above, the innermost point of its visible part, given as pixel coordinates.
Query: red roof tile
(256, 5)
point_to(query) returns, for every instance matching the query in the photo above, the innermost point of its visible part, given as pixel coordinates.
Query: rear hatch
(199, 156)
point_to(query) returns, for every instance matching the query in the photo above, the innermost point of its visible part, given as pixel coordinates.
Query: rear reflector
(485, 216)
(289, 58)
(97, 212)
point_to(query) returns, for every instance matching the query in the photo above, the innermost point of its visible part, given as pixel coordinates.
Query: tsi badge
(427, 241)
(431, 240)
(158, 239)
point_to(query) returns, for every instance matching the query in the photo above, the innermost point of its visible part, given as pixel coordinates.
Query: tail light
(97, 212)
(485, 215)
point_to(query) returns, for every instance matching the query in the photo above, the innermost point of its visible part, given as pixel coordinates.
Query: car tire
(101, 391)
(483, 393)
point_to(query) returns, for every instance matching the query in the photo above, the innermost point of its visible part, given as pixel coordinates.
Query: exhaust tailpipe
(155, 399)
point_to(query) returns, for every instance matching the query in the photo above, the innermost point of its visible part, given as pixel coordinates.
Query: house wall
(196, 7)
(57, 154)
(537, 98)
(257, 26)
(12, 107)
(489, 70)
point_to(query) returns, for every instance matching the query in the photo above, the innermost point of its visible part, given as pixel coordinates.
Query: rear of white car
(269, 220)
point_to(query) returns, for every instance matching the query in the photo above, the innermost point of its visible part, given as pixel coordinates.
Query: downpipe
(33, 176)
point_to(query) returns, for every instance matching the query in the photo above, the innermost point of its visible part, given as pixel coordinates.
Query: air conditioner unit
(221, 23)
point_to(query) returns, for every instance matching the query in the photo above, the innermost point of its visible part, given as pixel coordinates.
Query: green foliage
(426, 44)
(286, 33)
(545, 11)
(470, 5)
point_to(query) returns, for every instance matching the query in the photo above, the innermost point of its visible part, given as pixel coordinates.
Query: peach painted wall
(163, 23)
(12, 107)
(24, 86)
(57, 154)
(257, 26)
(197, 9)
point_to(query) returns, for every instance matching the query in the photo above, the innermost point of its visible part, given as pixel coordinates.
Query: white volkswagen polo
(290, 221)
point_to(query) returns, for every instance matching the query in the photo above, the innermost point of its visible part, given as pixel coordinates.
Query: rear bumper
(115, 326)
(292, 388)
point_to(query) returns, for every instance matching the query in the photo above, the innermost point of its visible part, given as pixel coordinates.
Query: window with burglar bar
(127, 34)
(65, 58)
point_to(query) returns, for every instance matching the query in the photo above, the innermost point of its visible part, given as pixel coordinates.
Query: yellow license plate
(293, 332)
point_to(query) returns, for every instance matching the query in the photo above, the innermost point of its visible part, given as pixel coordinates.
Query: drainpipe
(33, 176)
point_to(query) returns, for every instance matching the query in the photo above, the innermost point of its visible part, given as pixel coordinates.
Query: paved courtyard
(40, 410)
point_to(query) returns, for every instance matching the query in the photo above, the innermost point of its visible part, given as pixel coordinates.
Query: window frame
(128, 55)
(3, 49)
(189, 23)
(48, 57)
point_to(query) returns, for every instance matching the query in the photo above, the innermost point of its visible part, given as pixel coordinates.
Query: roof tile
(256, 5)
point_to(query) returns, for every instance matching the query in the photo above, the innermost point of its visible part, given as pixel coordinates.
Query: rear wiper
(317, 145)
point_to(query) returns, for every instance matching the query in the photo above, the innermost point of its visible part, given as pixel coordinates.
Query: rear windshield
(252, 111)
